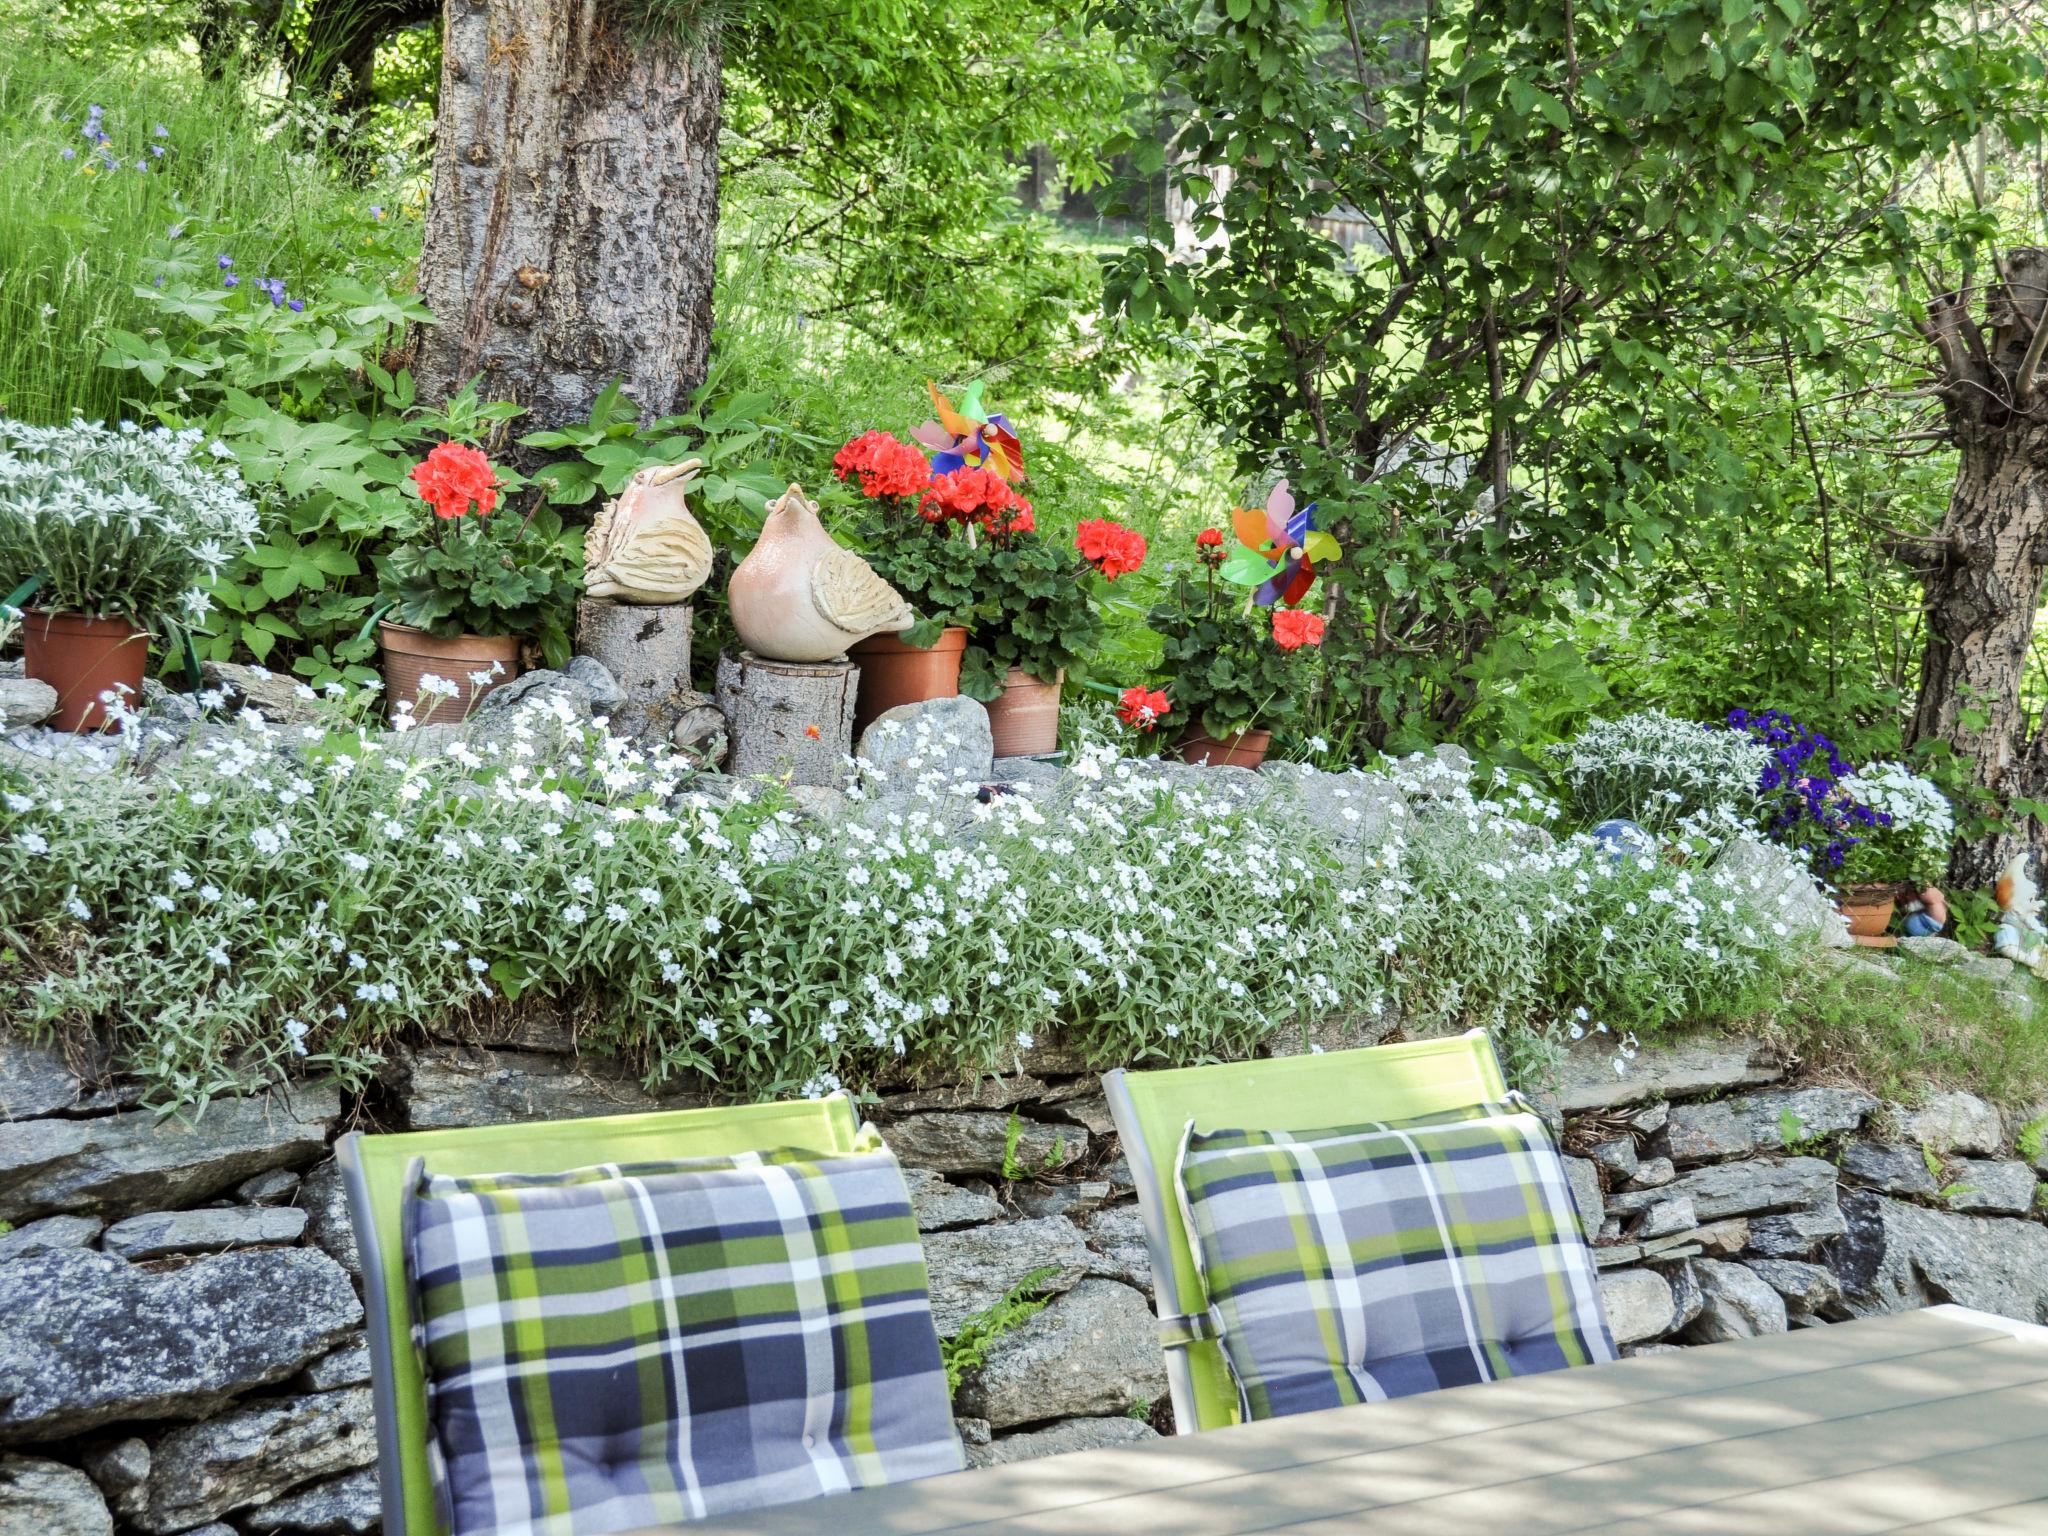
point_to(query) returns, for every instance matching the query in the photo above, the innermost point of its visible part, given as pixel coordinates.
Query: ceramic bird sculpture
(798, 596)
(645, 548)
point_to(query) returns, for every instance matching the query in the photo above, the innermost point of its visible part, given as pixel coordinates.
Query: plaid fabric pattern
(1375, 1261)
(623, 1346)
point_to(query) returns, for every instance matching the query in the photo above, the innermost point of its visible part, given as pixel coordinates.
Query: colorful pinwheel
(1278, 549)
(971, 437)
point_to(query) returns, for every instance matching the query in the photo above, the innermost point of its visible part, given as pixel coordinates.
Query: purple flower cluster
(272, 288)
(102, 157)
(1801, 787)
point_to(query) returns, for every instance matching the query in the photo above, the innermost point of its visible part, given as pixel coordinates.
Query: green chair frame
(1296, 1093)
(373, 1170)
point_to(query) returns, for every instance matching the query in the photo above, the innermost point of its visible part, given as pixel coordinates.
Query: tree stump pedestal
(789, 721)
(646, 648)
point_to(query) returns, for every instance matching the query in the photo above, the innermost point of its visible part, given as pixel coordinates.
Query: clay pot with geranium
(462, 599)
(933, 574)
(108, 534)
(1234, 670)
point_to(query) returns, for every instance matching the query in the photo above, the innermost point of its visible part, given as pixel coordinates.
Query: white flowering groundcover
(300, 897)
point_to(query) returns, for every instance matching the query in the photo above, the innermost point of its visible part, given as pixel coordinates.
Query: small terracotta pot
(1025, 717)
(83, 657)
(411, 654)
(1869, 912)
(892, 673)
(1247, 749)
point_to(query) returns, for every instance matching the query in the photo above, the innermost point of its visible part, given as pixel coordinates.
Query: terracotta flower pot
(892, 673)
(411, 654)
(83, 657)
(1247, 749)
(1869, 912)
(1025, 717)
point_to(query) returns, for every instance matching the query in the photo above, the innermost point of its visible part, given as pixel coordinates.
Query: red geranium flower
(885, 466)
(1144, 710)
(1210, 538)
(1110, 547)
(1295, 627)
(1023, 522)
(970, 496)
(453, 478)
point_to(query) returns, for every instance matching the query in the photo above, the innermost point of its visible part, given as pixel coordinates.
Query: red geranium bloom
(885, 466)
(1295, 627)
(1144, 710)
(1023, 522)
(1110, 547)
(970, 496)
(454, 477)
(1210, 538)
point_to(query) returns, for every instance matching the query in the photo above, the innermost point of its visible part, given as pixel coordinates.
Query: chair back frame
(373, 1169)
(1295, 1093)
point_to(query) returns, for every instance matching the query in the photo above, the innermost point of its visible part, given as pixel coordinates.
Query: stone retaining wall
(181, 1342)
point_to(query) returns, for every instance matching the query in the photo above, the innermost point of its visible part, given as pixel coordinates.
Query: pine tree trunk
(1982, 575)
(569, 237)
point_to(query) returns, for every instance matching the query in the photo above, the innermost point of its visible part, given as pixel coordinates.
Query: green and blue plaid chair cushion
(623, 1346)
(1375, 1261)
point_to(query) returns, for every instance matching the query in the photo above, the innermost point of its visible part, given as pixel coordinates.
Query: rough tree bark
(574, 207)
(1982, 569)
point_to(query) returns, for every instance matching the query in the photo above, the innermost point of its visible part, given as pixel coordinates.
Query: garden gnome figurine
(1926, 914)
(645, 548)
(798, 596)
(2019, 935)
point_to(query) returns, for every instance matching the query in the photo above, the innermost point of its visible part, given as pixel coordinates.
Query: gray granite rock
(348, 1503)
(121, 1469)
(1118, 1235)
(1894, 1169)
(1351, 810)
(1895, 1257)
(1762, 1122)
(1668, 1216)
(135, 1161)
(975, 1142)
(324, 1199)
(945, 740)
(1619, 1158)
(1587, 1079)
(161, 1234)
(939, 1203)
(25, 701)
(249, 1456)
(992, 1090)
(1794, 1234)
(273, 695)
(447, 1087)
(1075, 1199)
(1653, 1173)
(1808, 1289)
(1584, 1177)
(1651, 1118)
(1094, 1351)
(348, 1366)
(1740, 1189)
(1988, 1187)
(1638, 1304)
(1736, 1303)
(89, 1339)
(275, 1187)
(973, 1269)
(1773, 880)
(51, 1232)
(34, 1079)
(47, 1498)
(1688, 1297)
(1955, 1122)
(1059, 1439)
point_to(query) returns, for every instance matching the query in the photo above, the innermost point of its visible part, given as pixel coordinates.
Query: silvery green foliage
(118, 520)
(1657, 769)
(314, 892)
(1923, 824)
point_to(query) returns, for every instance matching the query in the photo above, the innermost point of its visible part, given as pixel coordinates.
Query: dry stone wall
(181, 1336)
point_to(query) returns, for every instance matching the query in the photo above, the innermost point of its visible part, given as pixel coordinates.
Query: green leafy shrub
(1224, 669)
(118, 522)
